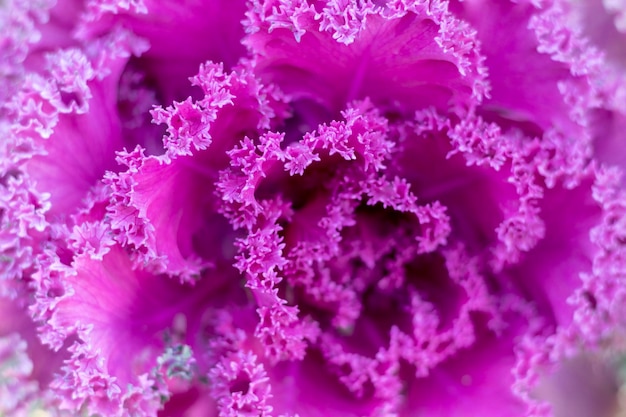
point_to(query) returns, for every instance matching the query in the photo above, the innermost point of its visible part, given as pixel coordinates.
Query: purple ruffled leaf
(401, 55)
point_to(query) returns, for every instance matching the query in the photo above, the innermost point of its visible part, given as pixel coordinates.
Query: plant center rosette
(364, 212)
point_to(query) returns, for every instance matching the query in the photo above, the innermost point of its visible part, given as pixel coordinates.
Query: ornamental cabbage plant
(387, 208)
